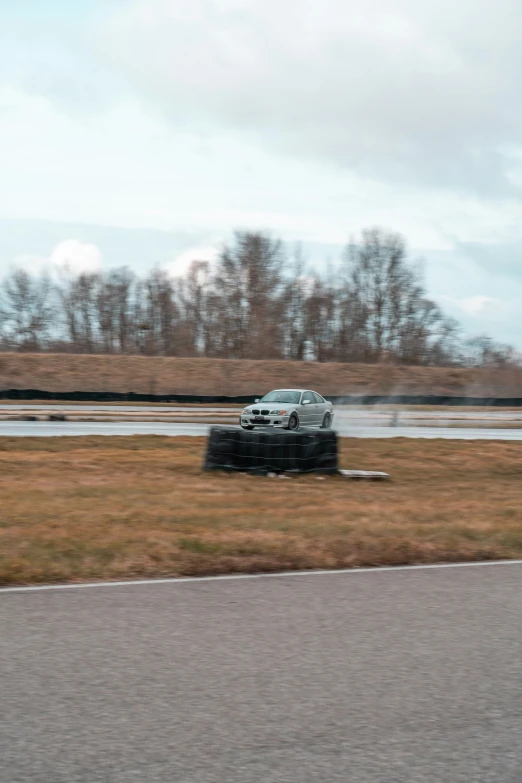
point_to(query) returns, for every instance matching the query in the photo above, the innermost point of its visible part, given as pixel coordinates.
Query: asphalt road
(408, 676)
(343, 428)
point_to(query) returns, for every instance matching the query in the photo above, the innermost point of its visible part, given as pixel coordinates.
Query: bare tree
(482, 351)
(384, 307)
(293, 300)
(27, 310)
(113, 310)
(320, 322)
(156, 315)
(249, 282)
(195, 291)
(257, 301)
(78, 296)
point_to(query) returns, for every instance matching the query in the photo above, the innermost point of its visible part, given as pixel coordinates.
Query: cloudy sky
(144, 131)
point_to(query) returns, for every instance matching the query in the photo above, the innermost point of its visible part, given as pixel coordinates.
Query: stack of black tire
(271, 450)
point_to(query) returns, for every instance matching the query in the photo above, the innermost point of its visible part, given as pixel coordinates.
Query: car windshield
(282, 396)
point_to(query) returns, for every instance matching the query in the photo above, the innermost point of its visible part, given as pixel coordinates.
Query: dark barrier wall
(401, 399)
(271, 450)
(87, 396)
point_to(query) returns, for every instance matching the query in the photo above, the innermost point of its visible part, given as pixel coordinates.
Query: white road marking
(236, 577)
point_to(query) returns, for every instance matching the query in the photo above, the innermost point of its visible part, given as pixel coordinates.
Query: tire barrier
(360, 400)
(271, 450)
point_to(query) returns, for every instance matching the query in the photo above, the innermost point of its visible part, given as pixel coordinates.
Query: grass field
(164, 375)
(113, 508)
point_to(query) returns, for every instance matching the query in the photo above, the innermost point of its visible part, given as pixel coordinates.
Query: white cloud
(496, 315)
(180, 265)
(76, 257)
(475, 306)
(69, 256)
(401, 90)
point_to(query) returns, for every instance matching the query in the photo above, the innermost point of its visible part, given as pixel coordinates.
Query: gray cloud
(501, 260)
(409, 91)
(50, 52)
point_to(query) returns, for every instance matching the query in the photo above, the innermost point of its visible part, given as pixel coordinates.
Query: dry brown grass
(112, 508)
(160, 375)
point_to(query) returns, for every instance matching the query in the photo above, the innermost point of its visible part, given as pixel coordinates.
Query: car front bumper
(264, 421)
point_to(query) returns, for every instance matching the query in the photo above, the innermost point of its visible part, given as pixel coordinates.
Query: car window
(282, 396)
(308, 396)
(318, 397)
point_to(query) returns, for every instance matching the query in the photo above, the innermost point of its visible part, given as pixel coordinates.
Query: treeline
(257, 301)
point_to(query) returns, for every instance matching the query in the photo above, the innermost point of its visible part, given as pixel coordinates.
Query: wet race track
(453, 424)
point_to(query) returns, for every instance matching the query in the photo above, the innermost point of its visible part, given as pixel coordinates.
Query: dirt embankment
(161, 375)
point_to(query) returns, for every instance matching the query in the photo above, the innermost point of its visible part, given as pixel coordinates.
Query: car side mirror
(306, 402)
(256, 400)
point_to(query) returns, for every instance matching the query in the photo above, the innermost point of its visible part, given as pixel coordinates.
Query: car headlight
(277, 413)
(245, 412)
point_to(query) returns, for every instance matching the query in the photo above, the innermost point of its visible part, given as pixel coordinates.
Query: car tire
(327, 421)
(293, 422)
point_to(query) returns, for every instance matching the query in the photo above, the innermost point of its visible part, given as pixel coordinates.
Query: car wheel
(293, 422)
(327, 421)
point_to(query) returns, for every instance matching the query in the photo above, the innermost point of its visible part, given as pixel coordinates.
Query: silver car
(290, 409)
